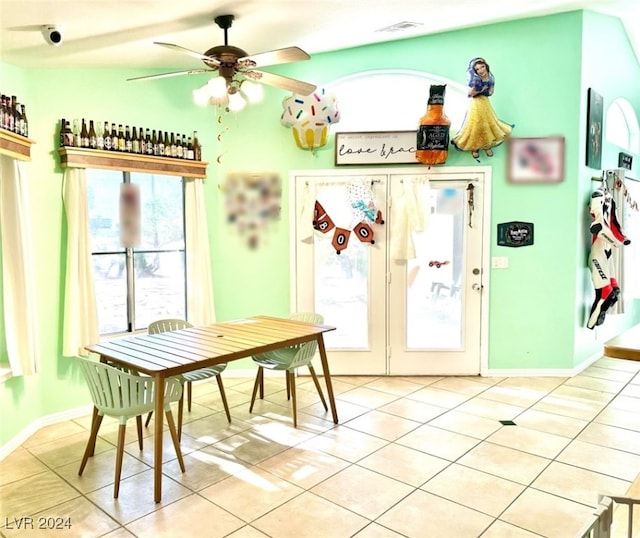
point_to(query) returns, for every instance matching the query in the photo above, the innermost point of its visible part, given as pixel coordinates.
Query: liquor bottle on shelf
(190, 149)
(197, 148)
(128, 142)
(135, 141)
(148, 143)
(185, 148)
(61, 139)
(24, 121)
(121, 140)
(3, 111)
(77, 133)
(160, 144)
(167, 144)
(174, 148)
(100, 137)
(13, 114)
(154, 142)
(84, 135)
(179, 146)
(115, 143)
(19, 120)
(93, 139)
(107, 137)
(141, 141)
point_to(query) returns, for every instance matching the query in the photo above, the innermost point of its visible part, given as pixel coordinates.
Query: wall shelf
(130, 162)
(14, 145)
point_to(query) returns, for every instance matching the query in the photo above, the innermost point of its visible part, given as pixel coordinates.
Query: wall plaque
(625, 160)
(515, 234)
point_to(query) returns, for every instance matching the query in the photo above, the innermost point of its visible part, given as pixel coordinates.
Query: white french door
(414, 301)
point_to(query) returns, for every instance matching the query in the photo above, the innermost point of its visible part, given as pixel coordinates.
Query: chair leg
(175, 439)
(319, 389)
(223, 396)
(91, 444)
(119, 455)
(256, 384)
(146, 424)
(189, 396)
(261, 373)
(180, 413)
(292, 383)
(288, 388)
(93, 419)
(139, 426)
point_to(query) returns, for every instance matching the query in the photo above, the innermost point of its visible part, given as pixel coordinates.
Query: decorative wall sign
(625, 160)
(536, 160)
(515, 234)
(594, 129)
(390, 147)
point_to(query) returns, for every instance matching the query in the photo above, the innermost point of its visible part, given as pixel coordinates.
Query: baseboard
(531, 372)
(39, 423)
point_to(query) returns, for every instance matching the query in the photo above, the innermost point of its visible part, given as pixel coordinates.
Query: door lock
(476, 287)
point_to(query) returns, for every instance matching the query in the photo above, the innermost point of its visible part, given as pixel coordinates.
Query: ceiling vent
(400, 26)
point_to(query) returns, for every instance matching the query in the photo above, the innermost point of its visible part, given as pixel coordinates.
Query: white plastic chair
(165, 325)
(116, 393)
(289, 359)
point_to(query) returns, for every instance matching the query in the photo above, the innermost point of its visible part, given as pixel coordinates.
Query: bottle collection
(139, 140)
(13, 116)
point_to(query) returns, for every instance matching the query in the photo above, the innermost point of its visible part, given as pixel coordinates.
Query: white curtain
(200, 306)
(20, 318)
(80, 308)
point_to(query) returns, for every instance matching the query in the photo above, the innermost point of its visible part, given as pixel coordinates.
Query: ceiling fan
(235, 66)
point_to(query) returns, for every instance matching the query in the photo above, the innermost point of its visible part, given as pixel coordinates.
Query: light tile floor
(412, 456)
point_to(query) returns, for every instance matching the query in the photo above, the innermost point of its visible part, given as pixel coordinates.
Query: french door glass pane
(434, 300)
(342, 291)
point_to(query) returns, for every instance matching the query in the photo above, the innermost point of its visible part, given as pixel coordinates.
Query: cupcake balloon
(310, 117)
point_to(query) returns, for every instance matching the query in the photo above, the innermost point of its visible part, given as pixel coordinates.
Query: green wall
(542, 66)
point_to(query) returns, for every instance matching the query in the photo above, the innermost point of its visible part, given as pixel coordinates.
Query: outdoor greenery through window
(135, 286)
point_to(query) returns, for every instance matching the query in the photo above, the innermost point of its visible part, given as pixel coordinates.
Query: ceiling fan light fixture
(236, 102)
(217, 87)
(252, 91)
(201, 96)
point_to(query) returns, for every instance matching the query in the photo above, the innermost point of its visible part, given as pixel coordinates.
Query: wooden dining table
(171, 353)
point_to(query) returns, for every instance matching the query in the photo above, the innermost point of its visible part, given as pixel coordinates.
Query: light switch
(499, 262)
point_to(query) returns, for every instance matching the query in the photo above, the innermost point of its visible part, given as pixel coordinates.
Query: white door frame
(483, 173)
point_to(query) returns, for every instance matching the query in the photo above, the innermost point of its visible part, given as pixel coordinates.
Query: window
(135, 286)
(622, 125)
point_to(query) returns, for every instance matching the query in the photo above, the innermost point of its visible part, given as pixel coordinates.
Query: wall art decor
(536, 160)
(515, 234)
(594, 129)
(386, 147)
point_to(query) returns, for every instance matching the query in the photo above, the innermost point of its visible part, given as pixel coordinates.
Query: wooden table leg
(157, 438)
(327, 377)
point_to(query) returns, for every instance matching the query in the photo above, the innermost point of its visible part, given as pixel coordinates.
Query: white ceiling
(120, 33)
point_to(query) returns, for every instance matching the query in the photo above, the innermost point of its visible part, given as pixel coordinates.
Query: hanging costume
(607, 234)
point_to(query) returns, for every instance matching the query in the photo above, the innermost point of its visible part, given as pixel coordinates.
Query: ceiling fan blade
(279, 56)
(285, 83)
(187, 51)
(174, 74)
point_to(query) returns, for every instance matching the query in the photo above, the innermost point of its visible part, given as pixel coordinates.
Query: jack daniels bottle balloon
(432, 144)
